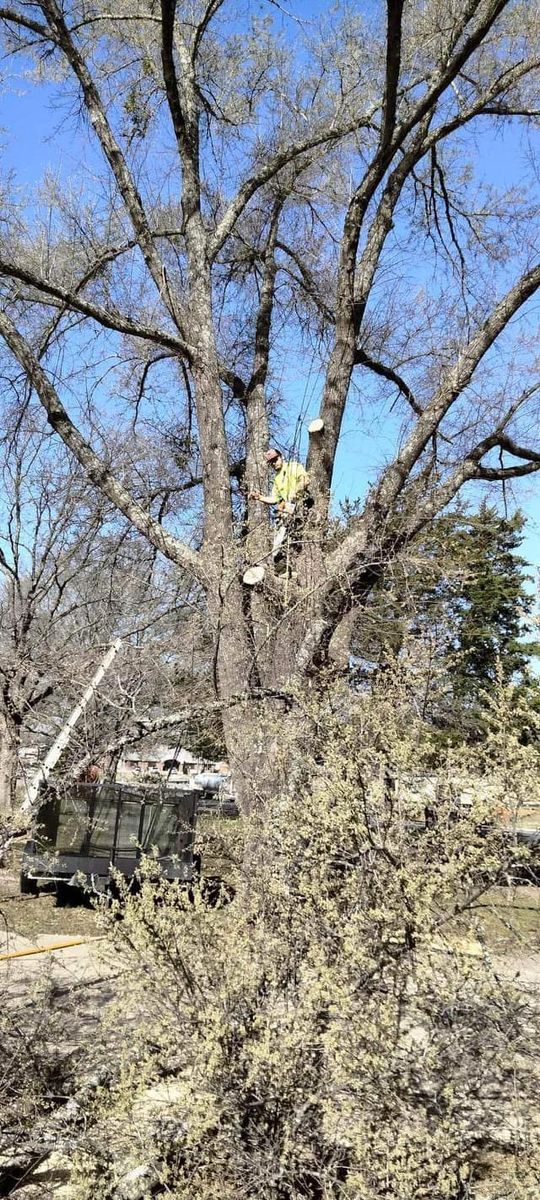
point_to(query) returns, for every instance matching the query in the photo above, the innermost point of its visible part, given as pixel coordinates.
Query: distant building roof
(160, 754)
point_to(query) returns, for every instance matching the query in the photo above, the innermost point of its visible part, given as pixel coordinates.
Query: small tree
(72, 579)
(495, 604)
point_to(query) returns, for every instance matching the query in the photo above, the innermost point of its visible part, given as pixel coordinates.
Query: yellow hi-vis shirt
(289, 483)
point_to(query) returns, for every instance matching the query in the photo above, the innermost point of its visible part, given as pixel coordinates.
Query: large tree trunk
(9, 761)
(264, 734)
(258, 737)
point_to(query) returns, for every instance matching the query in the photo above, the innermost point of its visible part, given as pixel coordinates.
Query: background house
(167, 762)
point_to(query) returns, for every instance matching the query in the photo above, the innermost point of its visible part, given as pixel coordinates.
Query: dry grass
(510, 919)
(30, 916)
(529, 817)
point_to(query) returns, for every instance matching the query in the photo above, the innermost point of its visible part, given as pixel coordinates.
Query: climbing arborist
(290, 495)
(290, 483)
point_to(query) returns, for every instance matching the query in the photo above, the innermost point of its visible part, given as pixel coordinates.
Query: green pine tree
(465, 591)
(494, 605)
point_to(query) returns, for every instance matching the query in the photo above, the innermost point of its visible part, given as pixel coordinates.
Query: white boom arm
(51, 758)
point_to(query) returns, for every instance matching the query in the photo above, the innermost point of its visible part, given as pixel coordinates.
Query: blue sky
(37, 137)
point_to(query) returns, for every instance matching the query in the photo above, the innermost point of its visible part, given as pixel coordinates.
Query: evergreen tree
(461, 606)
(495, 605)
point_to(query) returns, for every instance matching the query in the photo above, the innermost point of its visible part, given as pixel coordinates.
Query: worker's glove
(288, 508)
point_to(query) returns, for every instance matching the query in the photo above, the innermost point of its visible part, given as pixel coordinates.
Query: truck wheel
(28, 886)
(66, 895)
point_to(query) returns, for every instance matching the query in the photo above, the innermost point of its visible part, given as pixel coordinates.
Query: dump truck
(86, 833)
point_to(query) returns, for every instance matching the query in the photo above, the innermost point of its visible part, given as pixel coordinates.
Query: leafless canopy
(270, 198)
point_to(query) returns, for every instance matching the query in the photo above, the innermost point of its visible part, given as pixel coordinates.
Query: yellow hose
(48, 949)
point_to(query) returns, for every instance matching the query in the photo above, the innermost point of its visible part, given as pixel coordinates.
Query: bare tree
(255, 202)
(72, 578)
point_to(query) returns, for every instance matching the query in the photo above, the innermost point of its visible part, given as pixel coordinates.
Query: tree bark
(9, 761)
(253, 736)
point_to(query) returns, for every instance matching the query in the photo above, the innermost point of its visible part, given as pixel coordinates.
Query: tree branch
(516, 472)
(126, 186)
(255, 399)
(183, 107)
(98, 472)
(347, 568)
(354, 283)
(168, 10)
(507, 443)
(211, 9)
(455, 61)
(187, 716)
(484, 104)
(393, 62)
(266, 302)
(233, 381)
(364, 359)
(269, 171)
(105, 317)
(307, 281)
(8, 14)
(236, 471)
(456, 380)
(469, 470)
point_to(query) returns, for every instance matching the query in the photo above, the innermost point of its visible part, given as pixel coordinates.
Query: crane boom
(51, 758)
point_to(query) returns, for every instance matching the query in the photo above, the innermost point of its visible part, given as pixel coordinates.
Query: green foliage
(461, 606)
(494, 604)
(337, 1030)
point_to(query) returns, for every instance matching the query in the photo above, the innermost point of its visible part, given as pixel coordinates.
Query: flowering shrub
(339, 1028)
